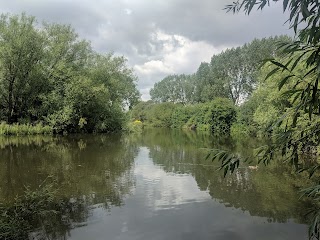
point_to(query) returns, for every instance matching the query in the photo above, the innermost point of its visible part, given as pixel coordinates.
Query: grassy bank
(24, 129)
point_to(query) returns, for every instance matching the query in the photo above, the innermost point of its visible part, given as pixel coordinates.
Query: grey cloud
(209, 22)
(197, 20)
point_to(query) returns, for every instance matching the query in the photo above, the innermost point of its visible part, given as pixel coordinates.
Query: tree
(113, 73)
(231, 68)
(140, 111)
(48, 74)
(236, 70)
(173, 88)
(299, 131)
(21, 49)
(65, 59)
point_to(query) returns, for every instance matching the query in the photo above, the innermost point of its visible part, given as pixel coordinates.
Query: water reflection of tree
(90, 171)
(269, 192)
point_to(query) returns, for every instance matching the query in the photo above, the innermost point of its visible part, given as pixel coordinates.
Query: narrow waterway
(156, 185)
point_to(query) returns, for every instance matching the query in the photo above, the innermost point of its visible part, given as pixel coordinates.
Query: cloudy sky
(158, 37)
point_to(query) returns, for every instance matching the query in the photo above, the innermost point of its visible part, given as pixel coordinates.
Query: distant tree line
(229, 95)
(49, 75)
(232, 74)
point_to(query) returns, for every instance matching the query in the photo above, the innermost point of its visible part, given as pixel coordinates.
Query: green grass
(24, 129)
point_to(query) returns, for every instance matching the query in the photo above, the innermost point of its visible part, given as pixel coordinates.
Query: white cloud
(145, 93)
(176, 55)
(152, 67)
(128, 11)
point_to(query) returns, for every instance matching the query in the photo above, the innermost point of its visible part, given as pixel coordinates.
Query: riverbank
(24, 129)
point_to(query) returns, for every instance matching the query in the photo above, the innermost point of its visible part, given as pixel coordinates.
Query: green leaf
(313, 170)
(304, 10)
(272, 72)
(312, 70)
(285, 5)
(225, 171)
(284, 81)
(279, 65)
(297, 61)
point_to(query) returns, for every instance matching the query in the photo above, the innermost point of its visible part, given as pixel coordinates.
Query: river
(155, 185)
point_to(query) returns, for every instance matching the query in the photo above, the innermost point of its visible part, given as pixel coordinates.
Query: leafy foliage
(153, 115)
(216, 116)
(298, 128)
(49, 75)
(173, 88)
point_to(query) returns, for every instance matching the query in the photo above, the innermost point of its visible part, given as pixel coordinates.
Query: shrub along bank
(216, 116)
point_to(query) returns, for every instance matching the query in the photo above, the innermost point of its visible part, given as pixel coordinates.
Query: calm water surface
(156, 185)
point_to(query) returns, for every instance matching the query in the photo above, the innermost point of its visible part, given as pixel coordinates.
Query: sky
(158, 37)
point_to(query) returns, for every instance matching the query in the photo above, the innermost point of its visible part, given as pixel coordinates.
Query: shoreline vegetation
(24, 129)
(215, 117)
(51, 81)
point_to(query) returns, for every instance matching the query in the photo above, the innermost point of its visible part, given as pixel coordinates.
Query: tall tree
(21, 49)
(237, 68)
(113, 73)
(173, 88)
(65, 58)
(207, 86)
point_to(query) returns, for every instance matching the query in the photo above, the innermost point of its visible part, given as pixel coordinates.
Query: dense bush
(182, 114)
(223, 115)
(216, 116)
(153, 115)
(160, 115)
